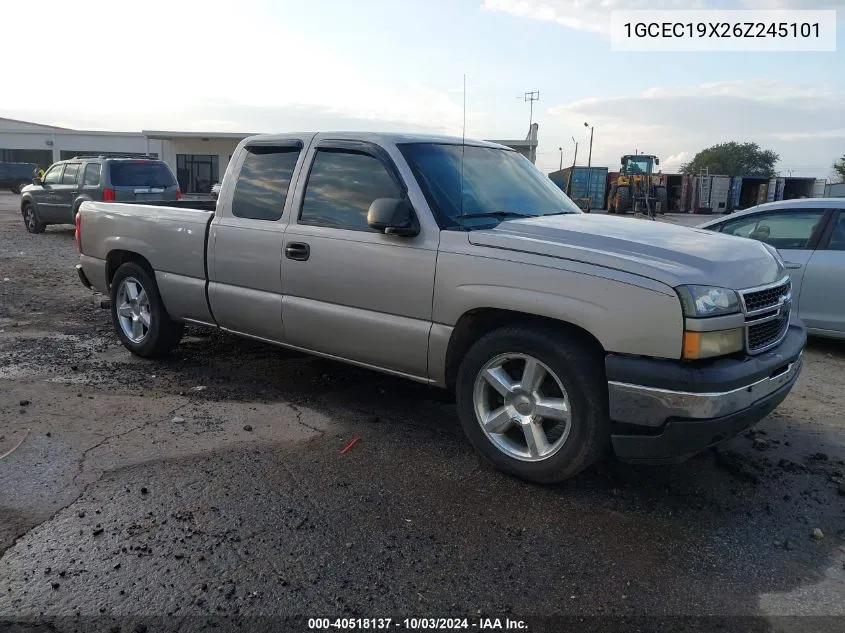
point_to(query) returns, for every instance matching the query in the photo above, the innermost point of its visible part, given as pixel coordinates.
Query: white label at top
(723, 30)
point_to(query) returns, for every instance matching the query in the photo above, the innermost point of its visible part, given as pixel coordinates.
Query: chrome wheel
(522, 407)
(29, 219)
(133, 310)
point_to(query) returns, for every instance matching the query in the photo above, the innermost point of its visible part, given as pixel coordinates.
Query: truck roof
(801, 203)
(379, 138)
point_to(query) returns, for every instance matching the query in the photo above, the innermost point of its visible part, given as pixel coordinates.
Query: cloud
(243, 57)
(594, 15)
(804, 124)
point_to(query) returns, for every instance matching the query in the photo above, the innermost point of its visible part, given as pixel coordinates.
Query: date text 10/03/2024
(417, 624)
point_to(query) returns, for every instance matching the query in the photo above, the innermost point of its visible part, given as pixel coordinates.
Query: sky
(399, 65)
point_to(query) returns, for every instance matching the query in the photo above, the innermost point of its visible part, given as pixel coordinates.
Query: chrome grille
(766, 298)
(763, 335)
(767, 312)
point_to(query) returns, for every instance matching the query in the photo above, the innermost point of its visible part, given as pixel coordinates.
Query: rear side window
(71, 175)
(781, 229)
(92, 174)
(342, 186)
(262, 185)
(142, 173)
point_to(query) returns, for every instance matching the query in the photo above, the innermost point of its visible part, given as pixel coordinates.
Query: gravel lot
(212, 485)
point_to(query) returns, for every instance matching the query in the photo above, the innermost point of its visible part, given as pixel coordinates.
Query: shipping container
(836, 190)
(720, 187)
(587, 183)
(762, 192)
(771, 190)
(674, 185)
(685, 203)
(710, 194)
(736, 190)
(796, 188)
(746, 192)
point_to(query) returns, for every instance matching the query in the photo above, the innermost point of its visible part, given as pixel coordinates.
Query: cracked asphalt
(210, 487)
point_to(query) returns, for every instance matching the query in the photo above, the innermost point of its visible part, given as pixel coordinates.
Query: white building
(198, 159)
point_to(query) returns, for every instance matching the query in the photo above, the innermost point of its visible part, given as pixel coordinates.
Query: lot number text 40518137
(417, 624)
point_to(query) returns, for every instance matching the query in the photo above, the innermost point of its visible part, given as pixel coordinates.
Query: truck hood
(661, 251)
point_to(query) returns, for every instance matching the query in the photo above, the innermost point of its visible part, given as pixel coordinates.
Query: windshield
(637, 165)
(141, 174)
(497, 184)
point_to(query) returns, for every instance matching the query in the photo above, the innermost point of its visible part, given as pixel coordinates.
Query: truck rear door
(141, 180)
(245, 240)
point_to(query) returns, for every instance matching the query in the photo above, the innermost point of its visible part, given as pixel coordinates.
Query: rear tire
(544, 424)
(662, 199)
(623, 200)
(138, 313)
(30, 219)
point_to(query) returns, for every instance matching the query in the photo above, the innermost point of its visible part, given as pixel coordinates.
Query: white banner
(723, 30)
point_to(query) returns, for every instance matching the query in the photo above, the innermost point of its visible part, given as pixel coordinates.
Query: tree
(839, 169)
(734, 159)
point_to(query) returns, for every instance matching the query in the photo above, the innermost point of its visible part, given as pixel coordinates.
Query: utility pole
(571, 173)
(531, 97)
(561, 158)
(590, 163)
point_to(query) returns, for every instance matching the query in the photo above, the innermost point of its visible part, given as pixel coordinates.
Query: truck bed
(171, 236)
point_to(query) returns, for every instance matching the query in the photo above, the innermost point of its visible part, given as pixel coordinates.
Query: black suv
(55, 198)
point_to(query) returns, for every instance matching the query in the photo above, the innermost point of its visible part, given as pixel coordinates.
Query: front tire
(623, 200)
(138, 313)
(31, 220)
(533, 402)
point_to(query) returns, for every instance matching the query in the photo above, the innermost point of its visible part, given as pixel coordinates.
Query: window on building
(197, 173)
(262, 185)
(54, 175)
(71, 175)
(41, 157)
(92, 175)
(341, 187)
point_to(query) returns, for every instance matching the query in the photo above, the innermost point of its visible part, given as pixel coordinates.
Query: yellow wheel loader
(638, 188)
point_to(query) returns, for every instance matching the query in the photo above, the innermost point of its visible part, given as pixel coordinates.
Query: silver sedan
(810, 236)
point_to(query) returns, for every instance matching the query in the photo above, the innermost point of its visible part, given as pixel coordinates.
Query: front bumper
(667, 410)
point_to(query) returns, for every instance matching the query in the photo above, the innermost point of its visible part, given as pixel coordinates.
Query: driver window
(783, 230)
(53, 176)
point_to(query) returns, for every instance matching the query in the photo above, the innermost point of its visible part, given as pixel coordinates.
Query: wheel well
(476, 323)
(115, 258)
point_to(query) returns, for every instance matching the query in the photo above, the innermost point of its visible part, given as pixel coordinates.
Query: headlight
(705, 301)
(709, 344)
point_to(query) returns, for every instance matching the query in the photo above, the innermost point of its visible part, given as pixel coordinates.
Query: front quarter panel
(627, 314)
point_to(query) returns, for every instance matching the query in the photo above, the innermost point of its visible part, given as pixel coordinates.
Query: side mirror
(36, 181)
(656, 161)
(622, 162)
(393, 216)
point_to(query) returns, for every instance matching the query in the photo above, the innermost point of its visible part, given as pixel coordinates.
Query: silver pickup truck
(459, 265)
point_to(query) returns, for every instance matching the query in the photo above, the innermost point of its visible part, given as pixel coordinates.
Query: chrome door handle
(791, 265)
(298, 251)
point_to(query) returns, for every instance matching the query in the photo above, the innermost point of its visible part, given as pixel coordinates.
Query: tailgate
(144, 194)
